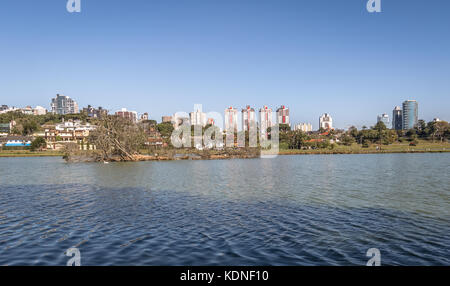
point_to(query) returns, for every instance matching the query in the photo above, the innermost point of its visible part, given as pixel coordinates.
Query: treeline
(378, 134)
(27, 124)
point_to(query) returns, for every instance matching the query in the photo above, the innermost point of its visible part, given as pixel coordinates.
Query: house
(16, 141)
(68, 132)
(5, 128)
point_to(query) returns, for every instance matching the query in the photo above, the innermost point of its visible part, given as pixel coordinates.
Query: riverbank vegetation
(118, 139)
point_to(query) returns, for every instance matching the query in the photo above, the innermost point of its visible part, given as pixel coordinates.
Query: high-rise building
(198, 118)
(305, 127)
(283, 115)
(127, 114)
(64, 105)
(248, 118)
(397, 118)
(231, 120)
(385, 119)
(326, 122)
(265, 120)
(410, 114)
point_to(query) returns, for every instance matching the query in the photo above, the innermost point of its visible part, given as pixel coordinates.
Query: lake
(290, 210)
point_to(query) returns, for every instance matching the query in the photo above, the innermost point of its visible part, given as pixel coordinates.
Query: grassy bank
(422, 147)
(28, 153)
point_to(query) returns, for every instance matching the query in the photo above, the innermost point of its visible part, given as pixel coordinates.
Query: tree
(347, 140)
(297, 140)
(117, 137)
(165, 128)
(38, 144)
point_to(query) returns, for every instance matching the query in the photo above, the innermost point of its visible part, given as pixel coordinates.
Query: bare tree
(117, 137)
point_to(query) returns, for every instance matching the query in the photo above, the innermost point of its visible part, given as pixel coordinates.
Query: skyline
(162, 57)
(217, 116)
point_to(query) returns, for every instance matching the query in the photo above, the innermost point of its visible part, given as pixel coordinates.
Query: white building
(64, 105)
(248, 118)
(385, 119)
(198, 118)
(39, 110)
(326, 122)
(265, 120)
(283, 115)
(304, 127)
(231, 120)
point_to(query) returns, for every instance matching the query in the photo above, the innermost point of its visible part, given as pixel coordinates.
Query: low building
(304, 127)
(39, 110)
(5, 128)
(144, 117)
(166, 119)
(95, 112)
(68, 132)
(16, 141)
(127, 114)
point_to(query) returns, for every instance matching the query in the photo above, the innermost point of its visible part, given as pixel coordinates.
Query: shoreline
(195, 156)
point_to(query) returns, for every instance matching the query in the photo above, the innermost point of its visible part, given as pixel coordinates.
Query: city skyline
(65, 105)
(166, 56)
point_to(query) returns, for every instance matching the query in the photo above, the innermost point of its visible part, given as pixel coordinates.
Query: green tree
(165, 128)
(38, 143)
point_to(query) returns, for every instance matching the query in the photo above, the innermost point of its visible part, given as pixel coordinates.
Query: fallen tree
(115, 139)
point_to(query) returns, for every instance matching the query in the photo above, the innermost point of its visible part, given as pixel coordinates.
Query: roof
(16, 138)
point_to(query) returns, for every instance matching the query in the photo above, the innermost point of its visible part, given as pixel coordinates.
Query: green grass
(28, 153)
(423, 146)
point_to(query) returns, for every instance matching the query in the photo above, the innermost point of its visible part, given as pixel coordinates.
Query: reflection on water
(292, 210)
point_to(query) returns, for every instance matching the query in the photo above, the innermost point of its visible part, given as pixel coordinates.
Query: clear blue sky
(163, 56)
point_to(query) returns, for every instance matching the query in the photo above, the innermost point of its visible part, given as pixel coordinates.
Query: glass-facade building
(385, 119)
(410, 114)
(397, 118)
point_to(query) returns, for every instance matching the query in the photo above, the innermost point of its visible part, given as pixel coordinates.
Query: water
(292, 210)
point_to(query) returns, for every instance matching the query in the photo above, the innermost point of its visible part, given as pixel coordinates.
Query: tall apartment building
(410, 114)
(198, 118)
(326, 122)
(248, 118)
(64, 105)
(283, 115)
(265, 120)
(304, 127)
(231, 120)
(124, 113)
(385, 119)
(397, 123)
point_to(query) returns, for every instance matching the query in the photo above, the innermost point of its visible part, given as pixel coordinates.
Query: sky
(164, 56)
